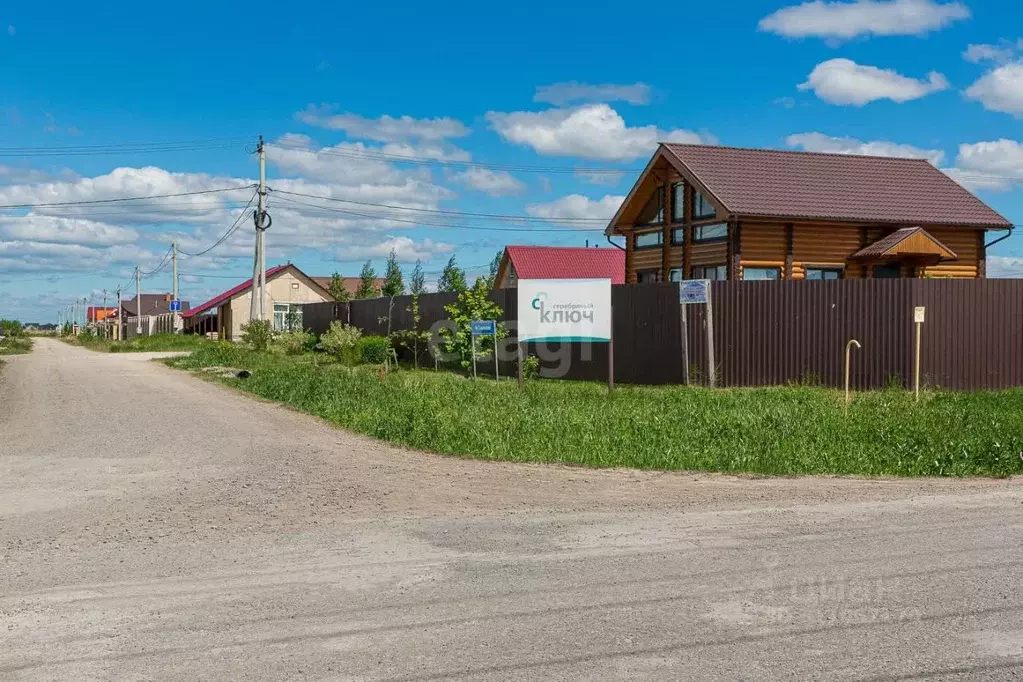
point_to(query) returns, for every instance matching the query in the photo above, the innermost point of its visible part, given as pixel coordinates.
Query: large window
(701, 207)
(674, 275)
(646, 240)
(644, 276)
(678, 202)
(823, 273)
(709, 233)
(710, 272)
(653, 212)
(677, 236)
(761, 273)
(287, 316)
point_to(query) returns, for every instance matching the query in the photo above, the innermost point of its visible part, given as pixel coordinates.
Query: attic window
(294, 285)
(653, 212)
(701, 207)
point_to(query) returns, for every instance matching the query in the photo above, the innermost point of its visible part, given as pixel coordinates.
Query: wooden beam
(734, 248)
(789, 249)
(666, 233)
(981, 255)
(630, 258)
(865, 271)
(687, 228)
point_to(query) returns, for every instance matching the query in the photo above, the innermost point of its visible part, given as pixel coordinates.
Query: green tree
(338, 289)
(367, 282)
(472, 304)
(394, 282)
(11, 328)
(417, 283)
(495, 265)
(452, 278)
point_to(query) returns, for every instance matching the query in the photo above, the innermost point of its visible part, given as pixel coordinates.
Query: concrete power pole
(138, 301)
(120, 314)
(257, 307)
(106, 319)
(174, 286)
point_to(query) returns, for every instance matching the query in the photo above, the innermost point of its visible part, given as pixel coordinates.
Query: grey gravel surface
(156, 526)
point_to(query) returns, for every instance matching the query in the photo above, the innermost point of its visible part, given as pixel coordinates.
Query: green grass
(12, 346)
(141, 344)
(784, 430)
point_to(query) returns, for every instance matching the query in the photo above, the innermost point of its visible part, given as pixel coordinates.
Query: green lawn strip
(15, 346)
(141, 344)
(781, 431)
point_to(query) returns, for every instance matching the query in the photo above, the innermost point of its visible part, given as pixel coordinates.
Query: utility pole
(257, 308)
(120, 313)
(174, 294)
(106, 319)
(138, 301)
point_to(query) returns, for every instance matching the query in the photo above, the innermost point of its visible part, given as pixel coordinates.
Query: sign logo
(565, 310)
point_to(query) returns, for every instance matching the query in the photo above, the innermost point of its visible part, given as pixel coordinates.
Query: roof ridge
(800, 152)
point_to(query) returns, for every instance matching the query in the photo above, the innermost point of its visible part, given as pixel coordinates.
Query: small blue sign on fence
(175, 306)
(483, 327)
(694, 291)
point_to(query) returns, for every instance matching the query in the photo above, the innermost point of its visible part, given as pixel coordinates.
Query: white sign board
(565, 310)
(694, 291)
(918, 314)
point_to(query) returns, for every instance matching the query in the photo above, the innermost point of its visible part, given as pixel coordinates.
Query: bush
(11, 328)
(258, 334)
(342, 341)
(374, 349)
(294, 342)
(531, 367)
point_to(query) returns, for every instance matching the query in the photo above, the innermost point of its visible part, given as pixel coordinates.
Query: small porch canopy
(913, 245)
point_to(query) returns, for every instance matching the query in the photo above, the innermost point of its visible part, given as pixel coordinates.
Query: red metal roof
(568, 262)
(232, 292)
(791, 184)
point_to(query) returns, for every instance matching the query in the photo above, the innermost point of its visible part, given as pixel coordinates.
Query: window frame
(636, 235)
(745, 270)
(698, 198)
(839, 269)
(654, 272)
(676, 205)
(673, 273)
(681, 232)
(722, 268)
(698, 229)
(659, 196)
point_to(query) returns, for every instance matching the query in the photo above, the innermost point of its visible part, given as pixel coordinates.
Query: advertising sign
(564, 310)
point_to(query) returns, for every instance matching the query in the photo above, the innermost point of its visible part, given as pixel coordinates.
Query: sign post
(697, 291)
(483, 328)
(566, 311)
(919, 312)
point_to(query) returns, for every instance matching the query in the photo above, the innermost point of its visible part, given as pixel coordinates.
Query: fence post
(710, 337)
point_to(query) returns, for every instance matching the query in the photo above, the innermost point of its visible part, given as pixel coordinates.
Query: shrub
(258, 334)
(293, 342)
(472, 304)
(11, 328)
(531, 367)
(374, 349)
(342, 341)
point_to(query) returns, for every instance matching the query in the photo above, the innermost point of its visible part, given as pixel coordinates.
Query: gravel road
(155, 526)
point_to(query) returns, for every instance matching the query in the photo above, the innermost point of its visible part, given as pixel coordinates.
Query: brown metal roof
(888, 246)
(839, 187)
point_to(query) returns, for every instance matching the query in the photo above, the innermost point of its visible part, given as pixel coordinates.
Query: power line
(158, 267)
(231, 230)
(125, 148)
(456, 226)
(121, 199)
(468, 214)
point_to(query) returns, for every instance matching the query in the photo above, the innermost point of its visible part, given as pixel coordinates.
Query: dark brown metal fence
(772, 332)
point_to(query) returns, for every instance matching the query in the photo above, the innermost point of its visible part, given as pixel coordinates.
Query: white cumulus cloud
(843, 81)
(575, 207)
(995, 165)
(1000, 89)
(405, 249)
(592, 131)
(383, 129)
(44, 228)
(819, 142)
(983, 52)
(494, 183)
(844, 20)
(560, 94)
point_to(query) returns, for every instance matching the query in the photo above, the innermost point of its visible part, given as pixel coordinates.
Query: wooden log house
(709, 212)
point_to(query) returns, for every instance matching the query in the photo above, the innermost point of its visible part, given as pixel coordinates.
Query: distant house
(152, 304)
(99, 313)
(351, 284)
(287, 288)
(708, 212)
(559, 262)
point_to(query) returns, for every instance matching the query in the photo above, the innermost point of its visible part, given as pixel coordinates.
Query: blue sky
(352, 99)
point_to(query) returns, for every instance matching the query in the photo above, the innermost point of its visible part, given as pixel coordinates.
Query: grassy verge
(12, 346)
(768, 431)
(141, 344)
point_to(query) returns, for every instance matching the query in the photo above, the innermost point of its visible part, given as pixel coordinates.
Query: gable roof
(351, 283)
(907, 241)
(567, 262)
(834, 187)
(234, 291)
(152, 304)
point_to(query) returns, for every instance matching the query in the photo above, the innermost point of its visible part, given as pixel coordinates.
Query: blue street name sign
(175, 306)
(483, 328)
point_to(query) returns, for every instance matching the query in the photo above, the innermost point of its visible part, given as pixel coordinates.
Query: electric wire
(123, 199)
(230, 231)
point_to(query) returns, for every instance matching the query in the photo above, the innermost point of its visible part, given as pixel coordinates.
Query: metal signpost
(919, 313)
(697, 291)
(483, 328)
(566, 311)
